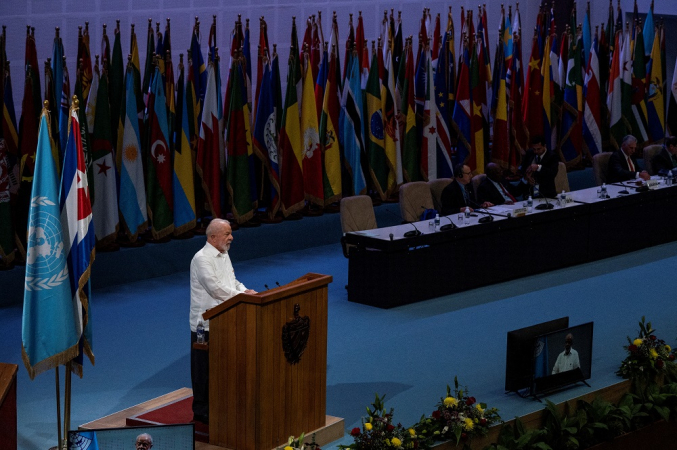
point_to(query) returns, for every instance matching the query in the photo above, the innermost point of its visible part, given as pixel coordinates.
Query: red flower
(355, 431)
(470, 401)
(632, 348)
(390, 427)
(436, 414)
(483, 421)
(671, 357)
(464, 435)
(659, 363)
(652, 337)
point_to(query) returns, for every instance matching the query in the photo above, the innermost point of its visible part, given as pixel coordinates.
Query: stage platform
(332, 430)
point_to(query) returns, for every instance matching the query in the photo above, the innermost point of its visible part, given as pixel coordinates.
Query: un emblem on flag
(45, 258)
(270, 138)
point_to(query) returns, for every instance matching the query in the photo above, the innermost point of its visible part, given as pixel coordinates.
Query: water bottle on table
(466, 216)
(530, 204)
(437, 222)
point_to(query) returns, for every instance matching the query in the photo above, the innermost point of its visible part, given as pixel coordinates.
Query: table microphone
(621, 184)
(410, 233)
(450, 226)
(546, 205)
(488, 217)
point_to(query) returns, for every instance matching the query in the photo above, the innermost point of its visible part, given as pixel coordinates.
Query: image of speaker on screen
(568, 359)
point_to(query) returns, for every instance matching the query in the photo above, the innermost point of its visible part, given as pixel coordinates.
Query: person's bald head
(494, 172)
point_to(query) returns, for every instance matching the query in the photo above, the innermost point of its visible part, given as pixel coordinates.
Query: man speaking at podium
(212, 281)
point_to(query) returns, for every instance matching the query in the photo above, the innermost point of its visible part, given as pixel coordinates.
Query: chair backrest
(436, 188)
(476, 181)
(600, 166)
(357, 213)
(648, 154)
(415, 197)
(562, 179)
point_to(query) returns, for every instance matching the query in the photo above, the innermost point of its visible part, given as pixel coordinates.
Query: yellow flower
(653, 353)
(368, 426)
(450, 402)
(479, 408)
(637, 342)
(468, 424)
(668, 348)
(288, 448)
(412, 432)
(396, 442)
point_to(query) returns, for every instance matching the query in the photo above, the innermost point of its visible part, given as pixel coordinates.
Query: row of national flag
(164, 151)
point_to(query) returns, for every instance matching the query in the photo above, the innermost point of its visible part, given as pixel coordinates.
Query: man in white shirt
(212, 281)
(568, 359)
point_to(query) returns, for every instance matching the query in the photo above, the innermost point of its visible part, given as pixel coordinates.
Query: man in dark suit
(539, 169)
(666, 159)
(494, 189)
(459, 195)
(622, 165)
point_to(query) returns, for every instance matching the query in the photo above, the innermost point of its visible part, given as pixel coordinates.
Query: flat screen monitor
(562, 358)
(520, 352)
(165, 437)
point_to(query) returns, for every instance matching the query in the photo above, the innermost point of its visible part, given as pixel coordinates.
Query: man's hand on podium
(250, 291)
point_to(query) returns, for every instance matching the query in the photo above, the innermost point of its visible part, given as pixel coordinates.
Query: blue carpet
(409, 353)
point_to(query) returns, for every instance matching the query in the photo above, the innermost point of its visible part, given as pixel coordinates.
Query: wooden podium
(8, 423)
(257, 399)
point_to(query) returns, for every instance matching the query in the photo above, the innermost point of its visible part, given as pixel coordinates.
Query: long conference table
(387, 269)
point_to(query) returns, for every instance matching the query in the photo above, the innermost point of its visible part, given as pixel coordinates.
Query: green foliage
(517, 437)
(592, 423)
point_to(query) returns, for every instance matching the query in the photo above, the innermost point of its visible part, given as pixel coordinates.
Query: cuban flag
(78, 233)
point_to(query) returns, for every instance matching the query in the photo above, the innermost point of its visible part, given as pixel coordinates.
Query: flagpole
(67, 403)
(58, 406)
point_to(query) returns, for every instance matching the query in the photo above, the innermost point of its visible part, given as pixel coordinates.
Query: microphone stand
(449, 226)
(411, 233)
(488, 216)
(544, 206)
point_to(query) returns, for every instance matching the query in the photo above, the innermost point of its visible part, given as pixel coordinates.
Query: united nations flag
(51, 326)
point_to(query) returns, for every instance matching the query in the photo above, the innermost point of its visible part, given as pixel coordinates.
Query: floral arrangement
(378, 431)
(298, 444)
(648, 356)
(458, 417)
